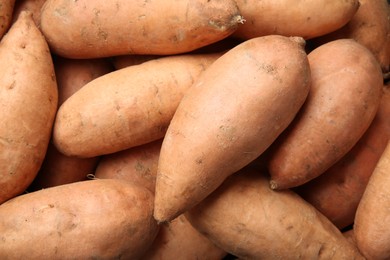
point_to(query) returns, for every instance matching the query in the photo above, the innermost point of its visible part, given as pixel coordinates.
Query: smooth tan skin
(58, 168)
(177, 240)
(34, 6)
(372, 216)
(97, 219)
(249, 220)
(343, 100)
(370, 26)
(6, 9)
(28, 102)
(337, 192)
(234, 111)
(307, 19)
(126, 108)
(108, 29)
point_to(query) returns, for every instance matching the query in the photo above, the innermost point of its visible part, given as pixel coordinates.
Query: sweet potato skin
(209, 138)
(337, 192)
(127, 107)
(140, 27)
(249, 220)
(98, 219)
(300, 18)
(28, 100)
(6, 10)
(343, 100)
(33, 6)
(371, 223)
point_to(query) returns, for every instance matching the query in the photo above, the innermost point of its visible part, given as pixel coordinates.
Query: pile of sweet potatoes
(194, 129)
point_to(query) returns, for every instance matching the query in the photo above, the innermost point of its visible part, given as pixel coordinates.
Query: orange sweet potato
(234, 111)
(28, 100)
(343, 100)
(371, 224)
(249, 220)
(91, 29)
(127, 107)
(96, 219)
(307, 19)
(337, 192)
(6, 10)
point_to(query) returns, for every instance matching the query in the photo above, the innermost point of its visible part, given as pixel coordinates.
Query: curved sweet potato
(343, 100)
(127, 107)
(91, 29)
(249, 220)
(98, 219)
(28, 100)
(234, 111)
(336, 193)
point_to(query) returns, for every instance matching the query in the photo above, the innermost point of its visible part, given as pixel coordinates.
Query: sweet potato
(6, 10)
(33, 6)
(96, 219)
(371, 224)
(343, 100)
(179, 239)
(58, 168)
(28, 100)
(249, 220)
(370, 26)
(307, 19)
(127, 107)
(337, 192)
(91, 29)
(234, 111)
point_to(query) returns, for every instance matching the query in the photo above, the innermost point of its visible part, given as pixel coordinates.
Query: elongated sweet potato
(28, 101)
(98, 219)
(6, 10)
(234, 111)
(337, 192)
(58, 168)
(371, 224)
(127, 107)
(307, 19)
(91, 29)
(249, 220)
(343, 100)
(370, 26)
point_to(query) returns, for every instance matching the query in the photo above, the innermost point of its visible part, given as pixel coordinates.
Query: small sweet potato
(307, 19)
(95, 219)
(91, 29)
(28, 101)
(343, 100)
(372, 223)
(127, 107)
(336, 193)
(249, 220)
(233, 112)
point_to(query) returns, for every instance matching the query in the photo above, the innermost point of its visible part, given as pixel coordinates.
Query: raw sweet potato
(343, 100)
(28, 101)
(91, 29)
(33, 6)
(127, 107)
(6, 10)
(307, 19)
(372, 223)
(370, 26)
(58, 168)
(337, 192)
(96, 219)
(234, 111)
(249, 220)
(177, 239)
